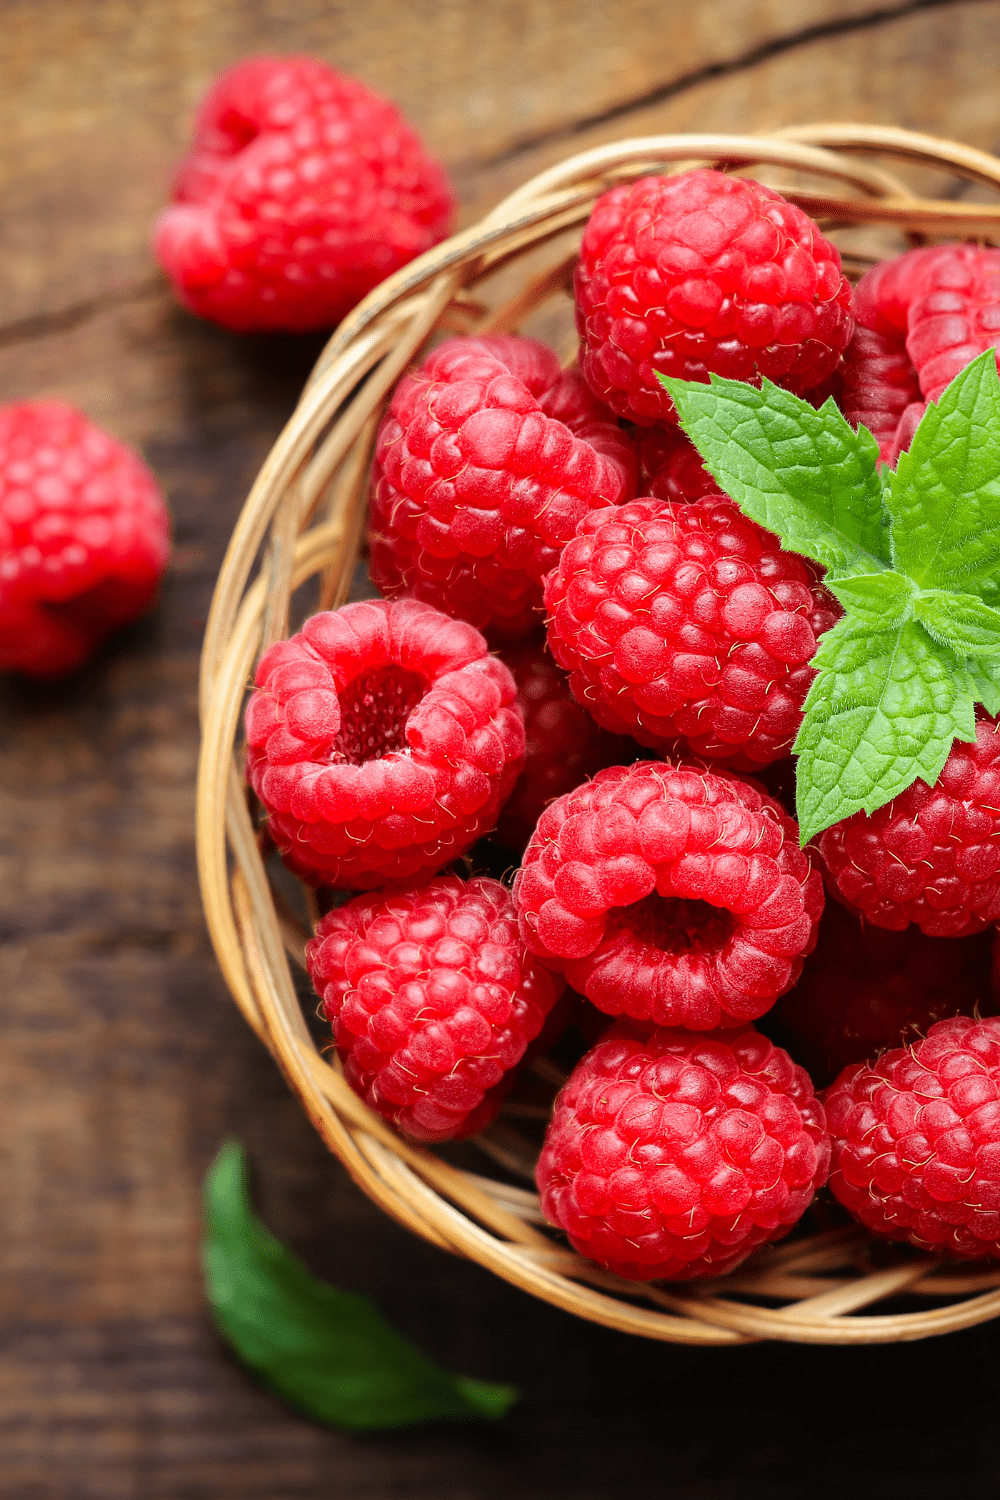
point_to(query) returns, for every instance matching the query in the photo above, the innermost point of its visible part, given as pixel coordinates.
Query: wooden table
(123, 1063)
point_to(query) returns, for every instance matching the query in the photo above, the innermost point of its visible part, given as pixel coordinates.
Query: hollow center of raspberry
(374, 708)
(673, 925)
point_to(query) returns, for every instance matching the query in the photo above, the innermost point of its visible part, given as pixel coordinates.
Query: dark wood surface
(123, 1063)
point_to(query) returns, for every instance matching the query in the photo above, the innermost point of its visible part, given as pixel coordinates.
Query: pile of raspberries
(587, 655)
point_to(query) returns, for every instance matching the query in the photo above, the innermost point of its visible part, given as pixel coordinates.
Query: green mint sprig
(913, 557)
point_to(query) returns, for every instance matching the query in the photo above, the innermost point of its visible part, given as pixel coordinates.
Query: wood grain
(123, 1064)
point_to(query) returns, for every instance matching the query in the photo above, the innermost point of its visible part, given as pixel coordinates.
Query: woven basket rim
(304, 519)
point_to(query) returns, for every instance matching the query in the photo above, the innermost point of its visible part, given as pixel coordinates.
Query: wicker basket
(301, 529)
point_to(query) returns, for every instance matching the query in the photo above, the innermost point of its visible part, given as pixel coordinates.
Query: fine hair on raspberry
(302, 191)
(700, 273)
(671, 895)
(916, 1140)
(84, 537)
(433, 1001)
(382, 740)
(488, 456)
(931, 855)
(672, 1155)
(687, 622)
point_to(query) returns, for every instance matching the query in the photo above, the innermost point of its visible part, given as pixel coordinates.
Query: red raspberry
(562, 744)
(382, 740)
(932, 854)
(488, 456)
(688, 620)
(432, 999)
(303, 190)
(674, 467)
(916, 1140)
(864, 989)
(674, 1155)
(84, 537)
(670, 894)
(698, 273)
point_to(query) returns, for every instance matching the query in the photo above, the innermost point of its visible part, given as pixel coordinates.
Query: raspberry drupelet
(488, 456)
(303, 189)
(562, 744)
(931, 855)
(433, 1000)
(382, 740)
(673, 466)
(688, 622)
(864, 989)
(921, 318)
(670, 895)
(703, 272)
(84, 537)
(916, 1140)
(673, 1155)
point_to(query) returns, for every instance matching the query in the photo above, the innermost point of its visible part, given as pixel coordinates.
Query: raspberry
(688, 620)
(84, 537)
(382, 740)
(675, 470)
(931, 855)
(670, 894)
(563, 746)
(487, 458)
(916, 1140)
(698, 273)
(302, 191)
(674, 1155)
(432, 1000)
(864, 989)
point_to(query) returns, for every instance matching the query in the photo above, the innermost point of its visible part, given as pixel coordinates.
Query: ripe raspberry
(302, 191)
(703, 272)
(432, 999)
(672, 1156)
(84, 537)
(562, 744)
(382, 740)
(864, 989)
(675, 470)
(932, 855)
(688, 620)
(916, 1140)
(487, 458)
(670, 894)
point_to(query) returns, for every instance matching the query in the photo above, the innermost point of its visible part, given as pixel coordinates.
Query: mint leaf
(961, 621)
(944, 499)
(985, 683)
(881, 600)
(802, 473)
(328, 1353)
(882, 712)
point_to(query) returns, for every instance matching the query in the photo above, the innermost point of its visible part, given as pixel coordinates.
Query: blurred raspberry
(84, 537)
(302, 191)
(931, 855)
(688, 621)
(432, 999)
(488, 456)
(670, 894)
(382, 741)
(562, 744)
(916, 1140)
(674, 1155)
(702, 272)
(864, 989)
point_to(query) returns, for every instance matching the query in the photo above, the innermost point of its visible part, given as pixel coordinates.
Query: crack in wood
(62, 319)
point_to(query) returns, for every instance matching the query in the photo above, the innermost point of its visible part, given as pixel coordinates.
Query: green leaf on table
(329, 1353)
(944, 498)
(883, 710)
(805, 474)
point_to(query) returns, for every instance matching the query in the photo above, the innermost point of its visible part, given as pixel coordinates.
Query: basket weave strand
(303, 522)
